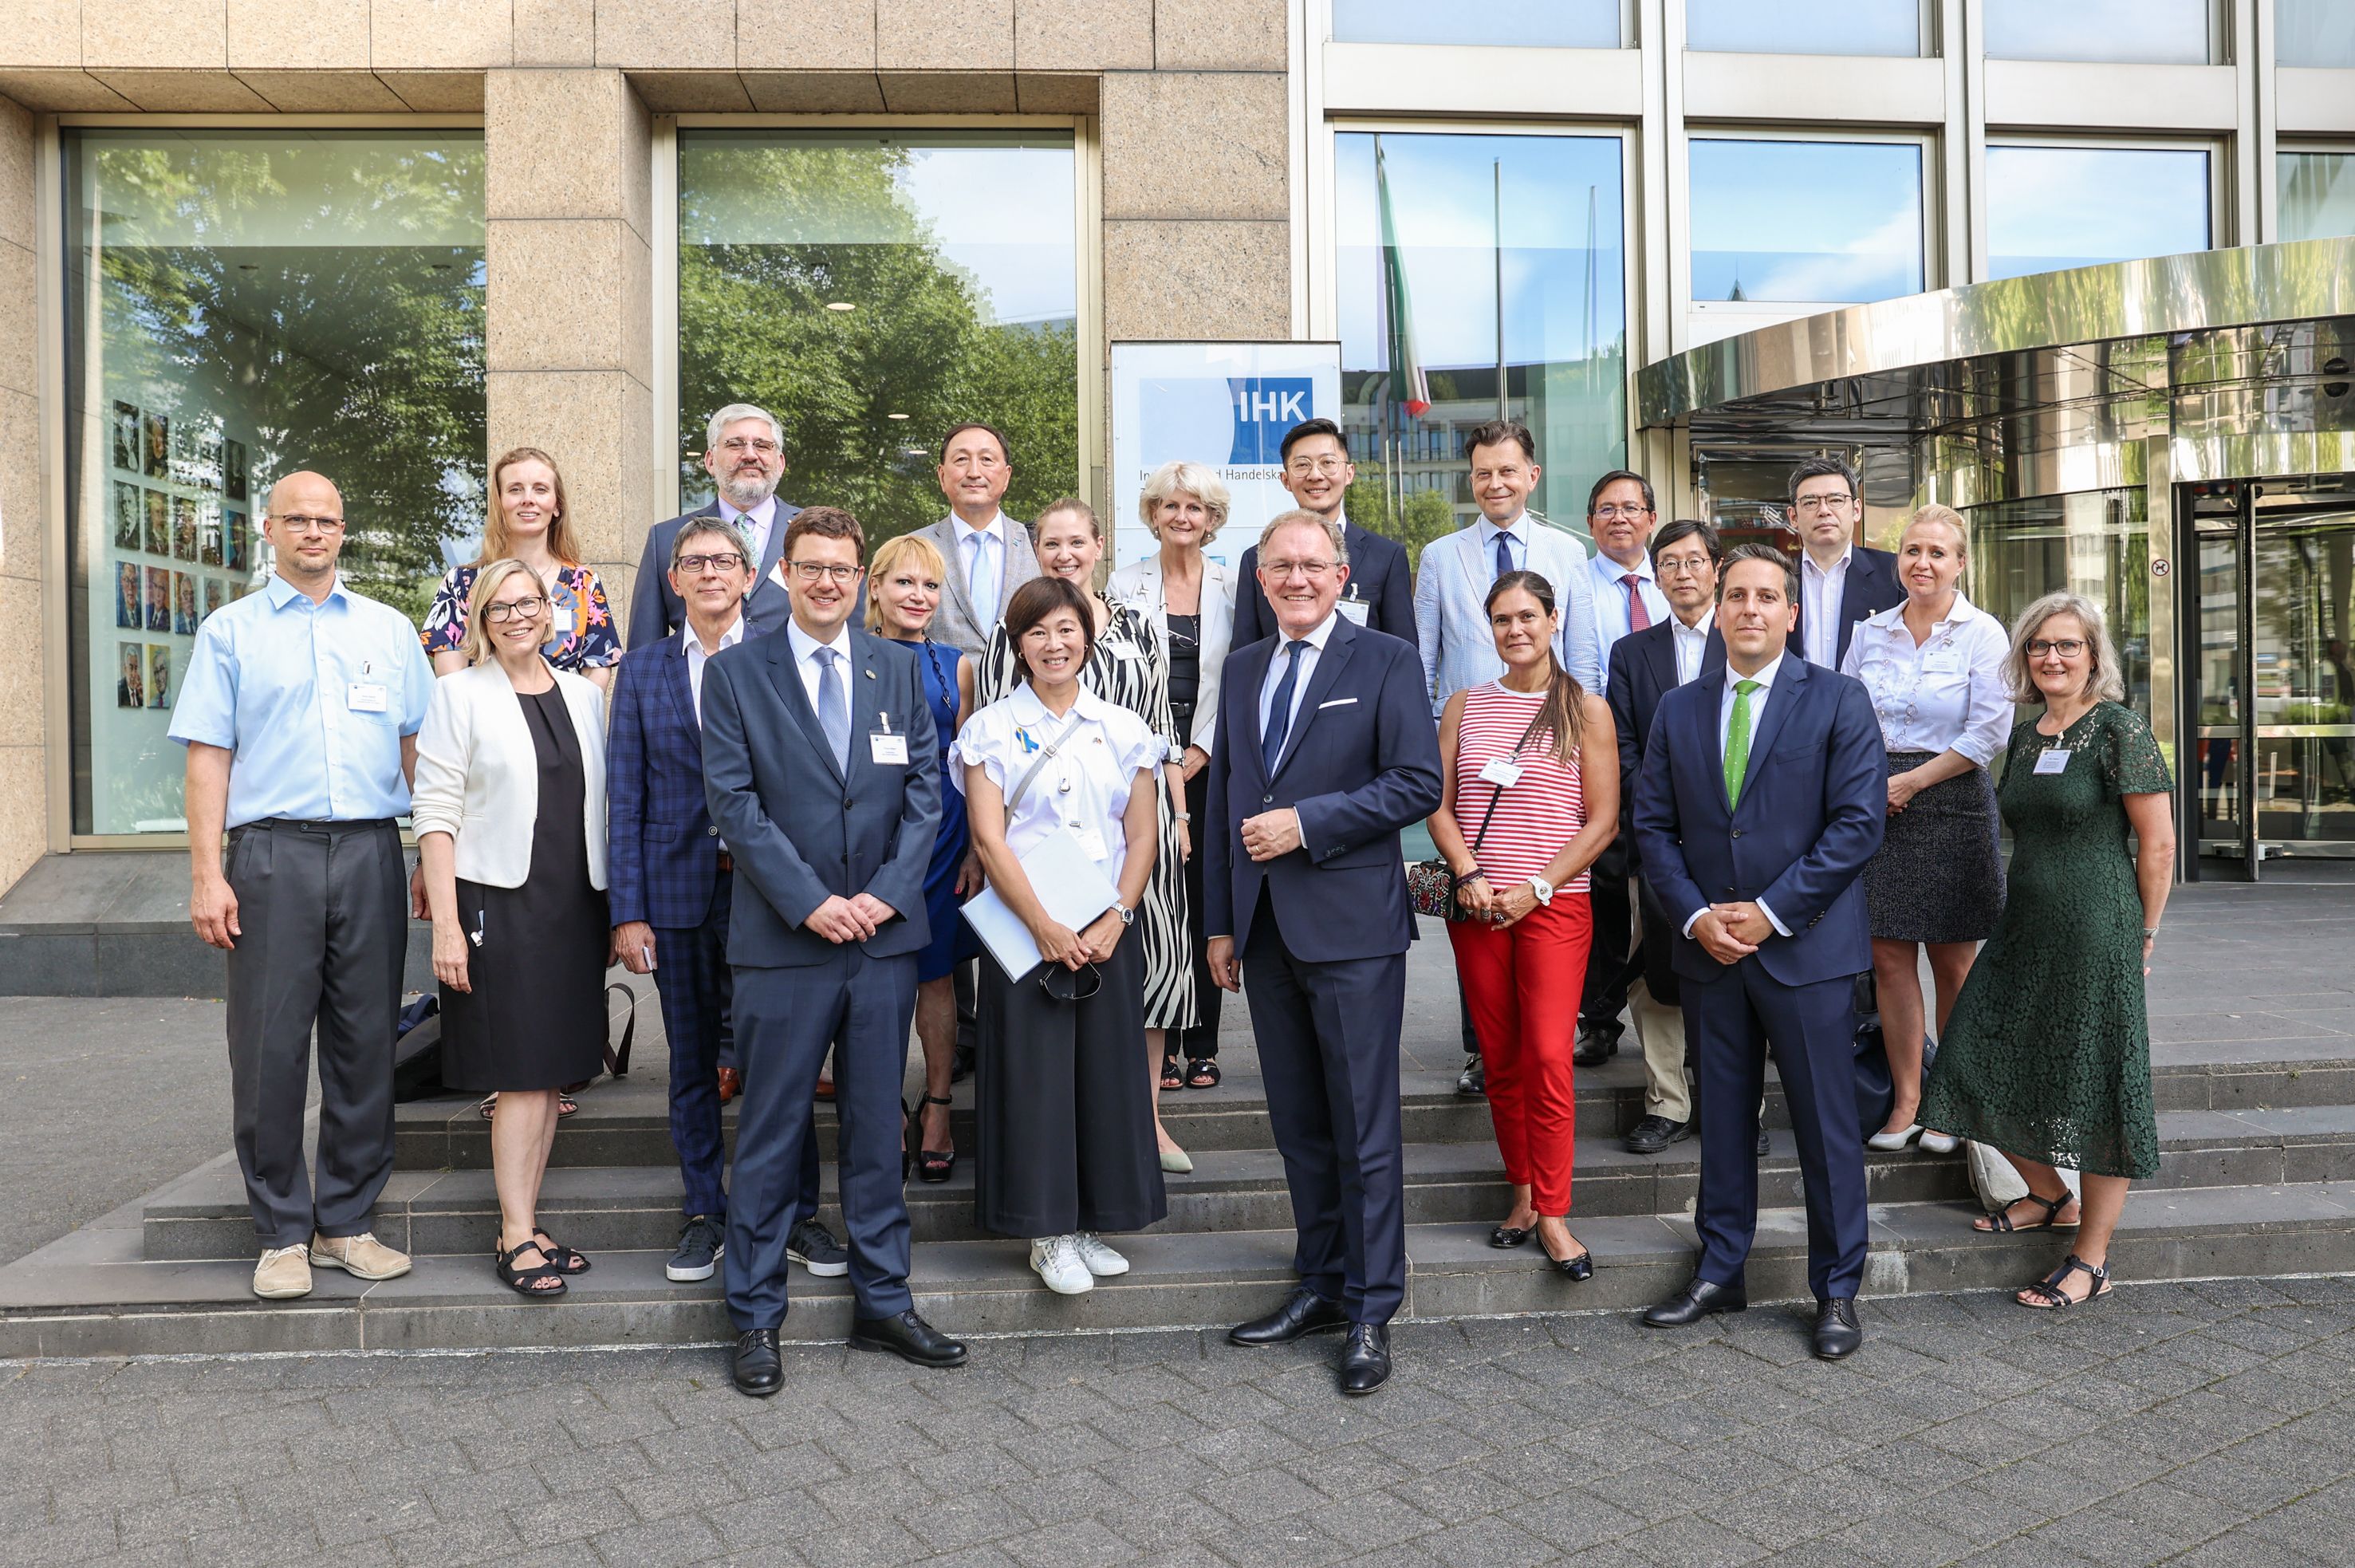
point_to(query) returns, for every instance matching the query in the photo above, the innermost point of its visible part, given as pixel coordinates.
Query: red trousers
(1524, 984)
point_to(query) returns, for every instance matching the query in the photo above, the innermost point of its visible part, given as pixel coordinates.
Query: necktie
(833, 708)
(980, 581)
(1737, 741)
(1638, 618)
(1279, 712)
(1504, 553)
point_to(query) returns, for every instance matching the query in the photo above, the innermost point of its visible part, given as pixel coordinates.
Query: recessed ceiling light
(841, 305)
(895, 416)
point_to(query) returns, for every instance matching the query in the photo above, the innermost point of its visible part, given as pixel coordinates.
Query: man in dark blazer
(1324, 752)
(822, 770)
(1840, 581)
(671, 883)
(1763, 793)
(1380, 592)
(744, 454)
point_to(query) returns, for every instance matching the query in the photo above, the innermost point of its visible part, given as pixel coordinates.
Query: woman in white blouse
(1933, 665)
(1064, 1119)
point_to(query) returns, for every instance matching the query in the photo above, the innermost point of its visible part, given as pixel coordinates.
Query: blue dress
(953, 940)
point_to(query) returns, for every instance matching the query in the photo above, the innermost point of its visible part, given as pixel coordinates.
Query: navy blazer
(662, 851)
(655, 611)
(799, 830)
(1360, 763)
(1378, 575)
(1814, 805)
(1870, 586)
(1644, 670)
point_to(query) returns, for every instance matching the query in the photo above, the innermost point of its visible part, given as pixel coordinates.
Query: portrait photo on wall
(159, 523)
(184, 604)
(127, 438)
(131, 685)
(159, 675)
(233, 539)
(130, 516)
(208, 534)
(184, 527)
(126, 595)
(207, 459)
(233, 470)
(159, 599)
(212, 597)
(156, 443)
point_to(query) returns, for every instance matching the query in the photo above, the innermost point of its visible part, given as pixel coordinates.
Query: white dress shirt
(1691, 644)
(696, 658)
(1084, 787)
(1945, 694)
(1820, 592)
(754, 526)
(1275, 668)
(807, 662)
(1612, 621)
(1758, 699)
(981, 561)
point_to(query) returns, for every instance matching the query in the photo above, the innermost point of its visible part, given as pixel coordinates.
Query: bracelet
(1181, 816)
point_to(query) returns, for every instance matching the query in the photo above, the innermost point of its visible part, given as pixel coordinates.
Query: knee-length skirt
(1938, 876)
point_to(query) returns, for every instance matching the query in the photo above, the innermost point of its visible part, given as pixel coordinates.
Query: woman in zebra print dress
(1130, 667)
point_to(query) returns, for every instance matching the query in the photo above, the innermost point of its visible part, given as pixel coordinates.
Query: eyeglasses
(1327, 465)
(811, 571)
(296, 523)
(1681, 565)
(1315, 571)
(737, 446)
(2067, 648)
(1621, 514)
(1066, 984)
(723, 560)
(1822, 503)
(498, 613)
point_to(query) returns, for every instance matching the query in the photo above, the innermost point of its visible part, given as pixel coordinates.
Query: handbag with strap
(1432, 885)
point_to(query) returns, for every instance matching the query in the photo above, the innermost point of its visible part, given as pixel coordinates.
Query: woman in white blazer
(510, 808)
(1191, 601)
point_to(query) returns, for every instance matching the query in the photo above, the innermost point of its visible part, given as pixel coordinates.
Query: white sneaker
(1100, 1260)
(1056, 1260)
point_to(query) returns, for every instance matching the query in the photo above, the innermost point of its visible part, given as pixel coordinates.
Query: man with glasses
(1318, 473)
(988, 553)
(1840, 581)
(300, 710)
(822, 772)
(745, 453)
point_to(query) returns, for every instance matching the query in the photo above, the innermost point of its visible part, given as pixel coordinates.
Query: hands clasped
(1730, 932)
(854, 919)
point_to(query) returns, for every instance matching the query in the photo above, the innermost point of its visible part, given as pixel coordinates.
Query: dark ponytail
(1563, 717)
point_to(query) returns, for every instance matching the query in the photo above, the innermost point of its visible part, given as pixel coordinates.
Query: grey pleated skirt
(1939, 874)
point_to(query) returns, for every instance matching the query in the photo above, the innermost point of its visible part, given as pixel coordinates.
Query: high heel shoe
(1889, 1143)
(932, 1165)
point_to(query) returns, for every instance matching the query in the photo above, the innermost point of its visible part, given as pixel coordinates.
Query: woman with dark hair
(1532, 772)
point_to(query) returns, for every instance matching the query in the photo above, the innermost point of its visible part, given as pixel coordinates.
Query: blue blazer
(1870, 587)
(1814, 805)
(1378, 575)
(1361, 762)
(655, 610)
(663, 853)
(800, 830)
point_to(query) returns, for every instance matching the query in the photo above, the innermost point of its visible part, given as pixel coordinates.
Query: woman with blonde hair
(530, 521)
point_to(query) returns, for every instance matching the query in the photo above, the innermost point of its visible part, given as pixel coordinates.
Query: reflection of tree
(1425, 516)
(753, 327)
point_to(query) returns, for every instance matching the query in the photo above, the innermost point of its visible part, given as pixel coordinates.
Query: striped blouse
(1536, 817)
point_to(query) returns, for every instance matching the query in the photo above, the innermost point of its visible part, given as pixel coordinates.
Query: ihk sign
(1266, 408)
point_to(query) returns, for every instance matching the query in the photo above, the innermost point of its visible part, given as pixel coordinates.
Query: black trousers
(1202, 1040)
(1608, 971)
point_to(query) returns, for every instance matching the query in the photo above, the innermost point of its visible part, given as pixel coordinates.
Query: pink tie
(1638, 618)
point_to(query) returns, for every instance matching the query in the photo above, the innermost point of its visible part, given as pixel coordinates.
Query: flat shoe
(1176, 1162)
(1511, 1235)
(1889, 1143)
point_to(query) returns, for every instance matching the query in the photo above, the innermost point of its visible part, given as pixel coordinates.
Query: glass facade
(1519, 24)
(2314, 33)
(2050, 207)
(2318, 195)
(1810, 222)
(1805, 27)
(2116, 32)
(1459, 260)
(2096, 543)
(239, 303)
(873, 289)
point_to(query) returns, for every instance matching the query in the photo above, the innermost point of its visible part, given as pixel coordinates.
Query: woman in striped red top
(1532, 797)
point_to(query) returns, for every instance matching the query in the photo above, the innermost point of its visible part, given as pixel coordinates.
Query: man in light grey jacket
(988, 554)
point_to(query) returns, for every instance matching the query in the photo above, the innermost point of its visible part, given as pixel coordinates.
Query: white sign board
(1224, 405)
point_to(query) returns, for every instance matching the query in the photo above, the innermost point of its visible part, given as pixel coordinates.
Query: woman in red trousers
(1532, 797)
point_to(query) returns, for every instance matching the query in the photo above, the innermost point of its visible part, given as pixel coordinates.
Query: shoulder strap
(1061, 735)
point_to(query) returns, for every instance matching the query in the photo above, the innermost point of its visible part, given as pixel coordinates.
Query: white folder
(1072, 889)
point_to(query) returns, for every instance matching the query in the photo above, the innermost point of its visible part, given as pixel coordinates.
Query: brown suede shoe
(282, 1274)
(361, 1256)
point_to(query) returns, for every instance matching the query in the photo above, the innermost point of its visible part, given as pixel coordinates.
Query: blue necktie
(1279, 712)
(1504, 553)
(834, 708)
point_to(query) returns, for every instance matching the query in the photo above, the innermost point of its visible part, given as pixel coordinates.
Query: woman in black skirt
(510, 808)
(1933, 665)
(1064, 1118)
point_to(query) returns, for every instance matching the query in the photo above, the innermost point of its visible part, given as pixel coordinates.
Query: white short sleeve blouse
(1084, 786)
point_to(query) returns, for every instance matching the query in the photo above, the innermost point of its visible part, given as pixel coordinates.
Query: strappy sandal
(2046, 1295)
(1202, 1073)
(565, 1105)
(566, 1260)
(2000, 1224)
(528, 1282)
(932, 1164)
(1173, 1077)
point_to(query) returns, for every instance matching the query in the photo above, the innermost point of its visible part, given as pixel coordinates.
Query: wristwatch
(1127, 915)
(1543, 889)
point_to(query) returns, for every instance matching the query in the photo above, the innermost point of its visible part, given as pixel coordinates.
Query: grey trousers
(323, 914)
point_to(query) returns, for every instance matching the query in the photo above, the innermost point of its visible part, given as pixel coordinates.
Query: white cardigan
(1138, 586)
(478, 773)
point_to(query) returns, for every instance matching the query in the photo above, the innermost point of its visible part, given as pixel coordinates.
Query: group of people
(777, 792)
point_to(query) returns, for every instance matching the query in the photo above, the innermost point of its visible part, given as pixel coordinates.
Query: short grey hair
(2106, 681)
(735, 411)
(1332, 531)
(708, 527)
(1183, 478)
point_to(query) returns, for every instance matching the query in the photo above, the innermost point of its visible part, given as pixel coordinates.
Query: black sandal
(932, 1164)
(2001, 1222)
(1201, 1072)
(2046, 1293)
(1173, 1078)
(528, 1281)
(566, 1260)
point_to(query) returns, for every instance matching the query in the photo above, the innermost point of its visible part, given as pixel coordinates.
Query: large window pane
(2314, 33)
(1551, 24)
(2318, 195)
(872, 290)
(1805, 27)
(1453, 254)
(240, 303)
(1829, 222)
(2160, 32)
(2049, 207)
(2096, 543)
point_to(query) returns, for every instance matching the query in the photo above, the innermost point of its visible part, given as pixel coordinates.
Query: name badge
(365, 697)
(1501, 774)
(2052, 760)
(1092, 840)
(1943, 664)
(564, 620)
(890, 751)
(1356, 609)
(1124, 650)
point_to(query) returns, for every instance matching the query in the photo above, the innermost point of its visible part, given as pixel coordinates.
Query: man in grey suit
(822, 769)
(745, 453)
(988, 554)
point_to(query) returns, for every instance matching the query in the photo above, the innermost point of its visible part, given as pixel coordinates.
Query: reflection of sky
(2314, 33)
(2049, 207)
(1553, 24)
(2167, 32)
(1442, 201)
(2318, 195)
(1831, 223)
(1805, 27)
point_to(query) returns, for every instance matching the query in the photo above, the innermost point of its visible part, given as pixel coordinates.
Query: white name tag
(1501, 774)
(1091, 841)
(366, 697)
(890, 750)
(1129, 651)
(1943, 664)
(2052, 760)
(1356, 609)
(564, 620)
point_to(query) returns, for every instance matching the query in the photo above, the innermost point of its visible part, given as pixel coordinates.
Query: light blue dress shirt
(288, 687)
(1612, 621)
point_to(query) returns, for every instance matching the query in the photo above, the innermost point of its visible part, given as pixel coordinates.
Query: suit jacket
(1138, 586)
(1814, 805)
(656, 611)
(799, 830)
(1452, 626)
(1870, 586)
(1644, 670)
(1378, 579)
(663, 850)
(1360, 763)
(960, 622)
(478, 773)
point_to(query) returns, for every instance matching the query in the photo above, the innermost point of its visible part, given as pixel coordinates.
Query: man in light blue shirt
(300, 710)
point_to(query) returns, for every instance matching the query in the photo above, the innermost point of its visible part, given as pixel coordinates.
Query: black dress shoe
(1837, 1333)
(1764, 1147)
(908, 1337)
(1472, 1081)
(758, 1369)
(1595, 1047)
(1303, 1312)
(1366, 1358)
(1695, 1302)
(1655, 1133)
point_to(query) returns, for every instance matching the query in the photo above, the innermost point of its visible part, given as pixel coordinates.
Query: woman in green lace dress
(2047, 1056)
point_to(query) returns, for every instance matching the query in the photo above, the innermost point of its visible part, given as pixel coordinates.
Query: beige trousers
(1661, 1031)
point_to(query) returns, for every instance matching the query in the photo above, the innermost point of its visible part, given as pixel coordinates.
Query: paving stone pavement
(2208, 1422)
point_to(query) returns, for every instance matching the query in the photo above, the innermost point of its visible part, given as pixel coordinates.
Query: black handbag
(1430, 884)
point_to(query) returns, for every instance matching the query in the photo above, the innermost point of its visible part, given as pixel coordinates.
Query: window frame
(2219, 42)
(2305, 146)
(2222, 228)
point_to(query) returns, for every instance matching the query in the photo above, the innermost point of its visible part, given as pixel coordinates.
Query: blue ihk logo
(1266, 408)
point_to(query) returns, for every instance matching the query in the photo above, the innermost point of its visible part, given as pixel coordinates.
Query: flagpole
(1498, 168)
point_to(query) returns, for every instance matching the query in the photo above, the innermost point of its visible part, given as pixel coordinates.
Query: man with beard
(745, 453)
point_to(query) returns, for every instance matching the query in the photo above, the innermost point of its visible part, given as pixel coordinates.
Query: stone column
(23, 817)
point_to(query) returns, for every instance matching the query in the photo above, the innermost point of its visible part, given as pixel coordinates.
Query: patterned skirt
(1939, 874)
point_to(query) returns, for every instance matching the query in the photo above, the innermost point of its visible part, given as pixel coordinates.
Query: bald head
(304, 526)
(305, 493)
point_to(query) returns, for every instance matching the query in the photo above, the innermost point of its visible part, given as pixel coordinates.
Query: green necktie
(1737, 741)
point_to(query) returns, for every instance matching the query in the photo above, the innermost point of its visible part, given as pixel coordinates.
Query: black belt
(296, 824)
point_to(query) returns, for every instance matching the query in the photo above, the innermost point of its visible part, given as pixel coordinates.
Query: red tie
(1638, 618)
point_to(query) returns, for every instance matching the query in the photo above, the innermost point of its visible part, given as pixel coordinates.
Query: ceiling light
(841, 305)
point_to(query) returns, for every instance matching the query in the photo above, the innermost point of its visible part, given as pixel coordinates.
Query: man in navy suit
(671, 883)
(745, 453)
(1318, 472)
(1840, 581)
(1763, 793)
(822, 770)
(1324, 752)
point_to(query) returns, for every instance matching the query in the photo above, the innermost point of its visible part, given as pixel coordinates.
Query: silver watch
(1127, 915)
